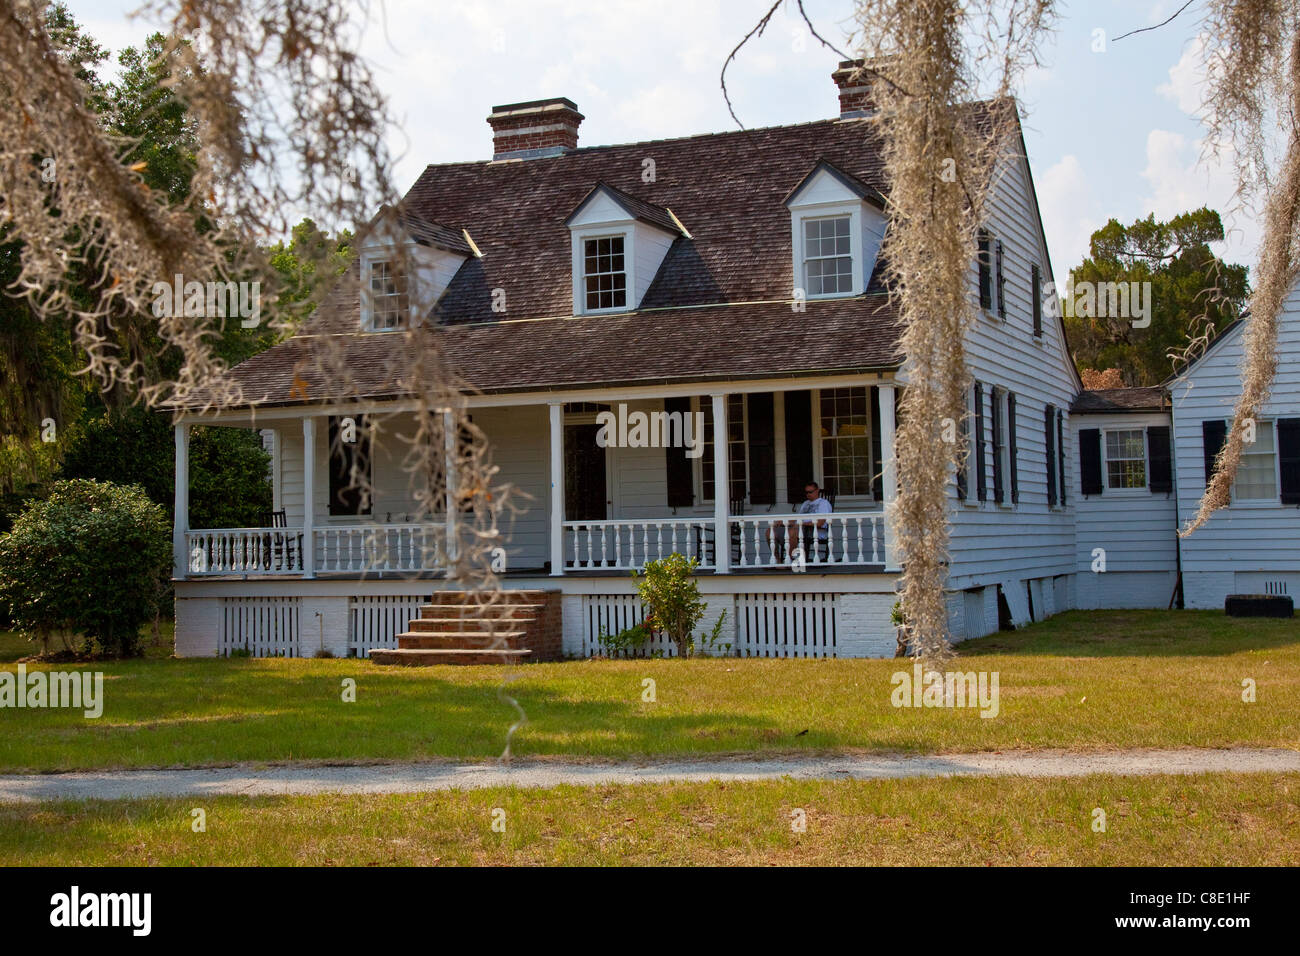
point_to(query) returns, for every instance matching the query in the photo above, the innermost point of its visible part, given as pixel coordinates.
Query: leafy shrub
(93, 559)
(626, 640)
(668, 590)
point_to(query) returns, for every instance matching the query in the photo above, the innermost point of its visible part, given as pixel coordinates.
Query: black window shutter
(1090, 461)
(986, 283)
(1161, 471)
(681, 481)
(995, 447)
(1060, 454)
(1288, 451)
(963, 459)
(1036, 290)
(1011, 447)
(762, 449)
(345, 492)
(1002, 285)
(1049, 441)
(1213, 435)
(877, 456)
(981, 486)
(798, 444)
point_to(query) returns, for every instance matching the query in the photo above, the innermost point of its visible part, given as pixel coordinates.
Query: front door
(584, 474)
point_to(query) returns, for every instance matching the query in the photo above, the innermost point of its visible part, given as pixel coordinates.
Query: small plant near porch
(90, 559)
(668, 590)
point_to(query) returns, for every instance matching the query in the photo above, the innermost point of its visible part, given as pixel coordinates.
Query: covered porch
(590, 504)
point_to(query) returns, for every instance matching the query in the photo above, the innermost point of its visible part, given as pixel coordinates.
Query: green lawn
(1083, 679)
(1238, 820)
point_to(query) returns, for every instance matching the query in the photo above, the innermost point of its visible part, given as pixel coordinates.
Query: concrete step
(459, 639)
(425, 657)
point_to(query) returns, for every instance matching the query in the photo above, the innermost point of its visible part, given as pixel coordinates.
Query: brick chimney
(538, 128)
(855, 85)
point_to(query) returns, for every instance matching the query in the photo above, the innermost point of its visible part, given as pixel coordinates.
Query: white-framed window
(737, 445)
(388, 300)
(828, 256)
(844, 416)
(604, 274)
(1257, 473)
(834, 246)
(1126, 458)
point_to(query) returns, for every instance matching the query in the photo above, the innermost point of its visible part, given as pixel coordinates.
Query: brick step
(425, 657)
(461, 639)
(468, 612)
(486, 628)
(442, 598)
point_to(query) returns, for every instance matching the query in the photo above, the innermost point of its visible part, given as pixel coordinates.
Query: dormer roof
(855, 186)
(421, 230)
(635, 208)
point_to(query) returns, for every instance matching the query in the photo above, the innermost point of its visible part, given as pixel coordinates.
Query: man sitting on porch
(813, 504)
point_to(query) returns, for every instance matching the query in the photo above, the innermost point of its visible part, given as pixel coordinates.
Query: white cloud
(1179, 180)
(1069, 218)
(1186, 86)
(1182, 175)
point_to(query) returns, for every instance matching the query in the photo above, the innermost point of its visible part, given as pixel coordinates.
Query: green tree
(91, 559)
(1190, 287)
(229, 469)
(37, 360)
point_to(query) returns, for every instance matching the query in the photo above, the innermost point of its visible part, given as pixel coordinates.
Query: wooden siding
(1246, 536)
(1135, 527)
(991, 542)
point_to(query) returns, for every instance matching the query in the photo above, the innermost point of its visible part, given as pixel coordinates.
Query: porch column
(180, 553)
(721, 487)
(889, 470)
(308, 497)
(556, 410)
(452, 480)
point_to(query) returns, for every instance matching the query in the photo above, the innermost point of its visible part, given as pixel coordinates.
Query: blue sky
(1109, 134)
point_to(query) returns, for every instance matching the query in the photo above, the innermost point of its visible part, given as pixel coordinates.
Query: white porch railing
(764, 541)
(627, 544)
(379, 547)
(244, 551)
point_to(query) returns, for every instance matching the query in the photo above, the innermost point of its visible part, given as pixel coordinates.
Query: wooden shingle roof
(718, 308)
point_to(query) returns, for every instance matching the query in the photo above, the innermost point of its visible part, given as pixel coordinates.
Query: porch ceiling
(742, 341)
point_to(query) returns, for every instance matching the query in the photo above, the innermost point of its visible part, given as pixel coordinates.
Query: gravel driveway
(249, 780)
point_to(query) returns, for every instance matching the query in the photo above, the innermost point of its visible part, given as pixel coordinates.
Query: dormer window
(837, 223)
(389, 302)
(605, 273)
(407, 263)
(828, 256)
(619, 242)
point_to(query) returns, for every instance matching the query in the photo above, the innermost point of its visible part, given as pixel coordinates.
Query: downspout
(1175, 599)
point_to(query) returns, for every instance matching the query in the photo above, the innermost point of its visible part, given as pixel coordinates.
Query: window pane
(605, 274)
(1126, 465)
(846, 440)
(1256, 476)
(828, 263)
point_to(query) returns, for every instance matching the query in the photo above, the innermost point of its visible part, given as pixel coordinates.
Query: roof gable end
(827, 183)
(605, 203)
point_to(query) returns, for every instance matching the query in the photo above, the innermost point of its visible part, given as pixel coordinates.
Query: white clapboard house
(662, 277)
(1145, 456)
